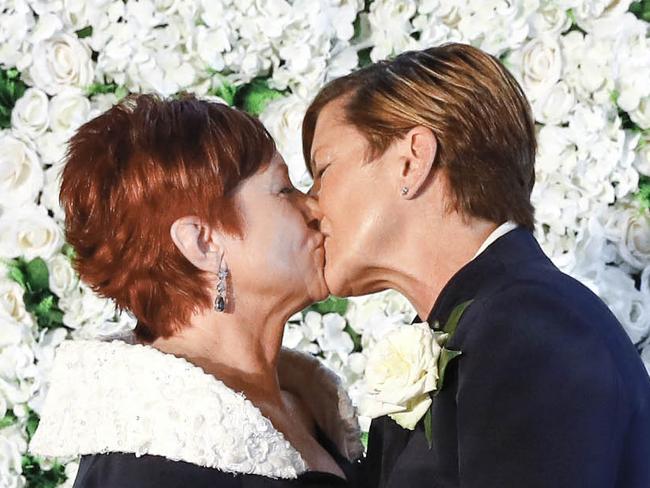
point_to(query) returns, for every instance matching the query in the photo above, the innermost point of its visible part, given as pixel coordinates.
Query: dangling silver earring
(220, 300)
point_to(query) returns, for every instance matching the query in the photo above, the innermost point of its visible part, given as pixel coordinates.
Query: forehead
(276, 165)
(333, 133)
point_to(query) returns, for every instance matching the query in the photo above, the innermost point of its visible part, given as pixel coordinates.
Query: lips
(319, 240)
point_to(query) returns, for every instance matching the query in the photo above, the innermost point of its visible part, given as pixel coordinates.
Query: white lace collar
(112, 396)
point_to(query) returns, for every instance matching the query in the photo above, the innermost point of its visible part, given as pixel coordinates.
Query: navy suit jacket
(549, 390)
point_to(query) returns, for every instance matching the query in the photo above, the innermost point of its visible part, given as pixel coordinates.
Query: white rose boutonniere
(405, 368)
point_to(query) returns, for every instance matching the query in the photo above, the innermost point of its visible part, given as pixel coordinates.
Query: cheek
(346, 203)
(280, 239)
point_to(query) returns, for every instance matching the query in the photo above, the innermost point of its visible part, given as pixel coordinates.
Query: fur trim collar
(112, 396)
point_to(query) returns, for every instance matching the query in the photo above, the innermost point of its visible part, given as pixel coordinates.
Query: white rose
(30, 114)
(11, 332)
(641, 114)
(10, 462)
(62, 277)
(61, 61)
(17, 361)
(81, 13)
(83, 309)
(293, 337)
(51, 147)
(541, 66)
(630, 306)
(357, 363)
(642, 161)
(210, 45)
(283, 119)
(334, 338)
(69, 109)
(401, 370)
(17, 20)
(390, 27)
(634, 246)
(46, 26)
(550, 18)
(554, 106)
(21, 176)
(12, 306)
(100, 103)
(29, 232)
(51, 190)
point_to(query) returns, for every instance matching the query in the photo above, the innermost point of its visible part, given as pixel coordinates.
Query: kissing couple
(182, 212)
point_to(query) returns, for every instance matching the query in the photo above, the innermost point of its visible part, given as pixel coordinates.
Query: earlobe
(422, 148)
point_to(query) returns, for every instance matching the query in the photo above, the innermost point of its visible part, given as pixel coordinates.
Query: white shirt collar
(500, 231)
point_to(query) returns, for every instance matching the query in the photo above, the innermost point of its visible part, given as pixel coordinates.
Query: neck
(420, 272)
(239, 348)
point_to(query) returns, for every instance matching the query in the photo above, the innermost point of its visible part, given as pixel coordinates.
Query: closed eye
(320, 173)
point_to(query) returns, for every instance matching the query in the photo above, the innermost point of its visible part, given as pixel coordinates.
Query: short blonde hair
(474, 106)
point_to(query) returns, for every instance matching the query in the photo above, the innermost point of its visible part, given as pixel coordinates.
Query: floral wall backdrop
(584, 64)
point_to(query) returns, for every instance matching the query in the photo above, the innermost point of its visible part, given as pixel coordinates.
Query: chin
(318, 289)
(336, 282)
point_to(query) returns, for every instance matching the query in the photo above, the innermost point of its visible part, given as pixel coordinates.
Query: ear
(197, 242)
(419, 153)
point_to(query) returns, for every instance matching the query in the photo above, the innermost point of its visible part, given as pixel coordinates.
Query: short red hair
(129, 174)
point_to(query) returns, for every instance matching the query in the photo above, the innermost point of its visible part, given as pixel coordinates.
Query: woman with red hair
(182, 212)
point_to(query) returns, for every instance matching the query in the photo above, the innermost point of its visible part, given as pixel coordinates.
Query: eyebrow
(313, 163)
(282, 169)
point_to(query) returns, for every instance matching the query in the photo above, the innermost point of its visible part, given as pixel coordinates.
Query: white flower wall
(584, 64)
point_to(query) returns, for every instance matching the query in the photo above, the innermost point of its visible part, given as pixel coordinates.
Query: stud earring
(405, 190)
(220, 300)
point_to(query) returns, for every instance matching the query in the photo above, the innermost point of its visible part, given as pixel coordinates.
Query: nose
(313, 190)
(312, 212)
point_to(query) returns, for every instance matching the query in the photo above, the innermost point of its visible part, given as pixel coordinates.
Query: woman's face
(280, 256)
(357, 202)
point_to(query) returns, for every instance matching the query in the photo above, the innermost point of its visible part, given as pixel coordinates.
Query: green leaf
(68, 251)
(8, 419)
(254, 97)
(364, 440)
(104, 88)
(643, 195)
(331, 305)
(446, 356)
(37, 477)
(641, 9)
(32, 423)
(16, 273)
(428, 427)
(11, 89)
(100, 88)
(225, 90)
(37, 275)
(121, 92)
(454, 317)
(356, 338)
(85, 32)
(45, 305)
(364, 57)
